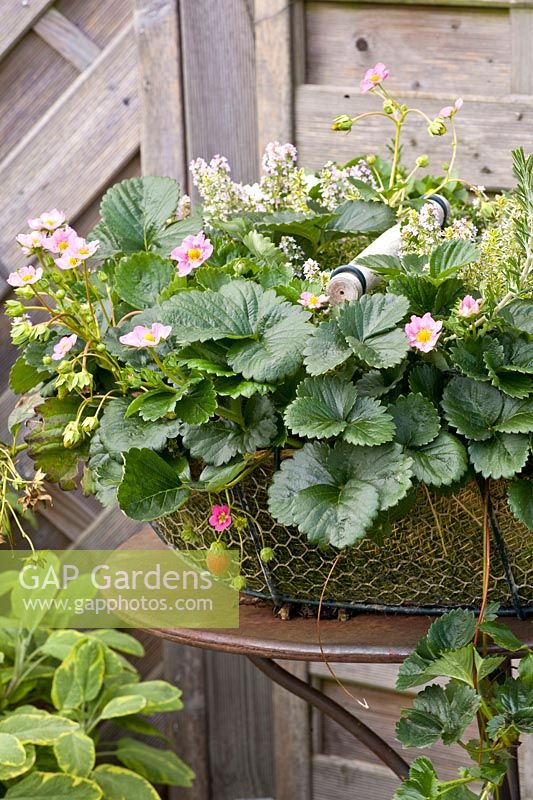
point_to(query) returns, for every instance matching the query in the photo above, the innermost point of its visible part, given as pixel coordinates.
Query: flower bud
(370, 159)
(239, 583)
(189, 535)
(47, 360)
(64, 367)
(267, 554)
(217, 547)
(89, 424)
(388, 106)
(422, 161)
(445, 167)
(404, 108)
(100, 347)
(342, 123)
(24, 291)
(72, 434)
(14, 308)
(437, 127)
(60, 294)
(102, 276)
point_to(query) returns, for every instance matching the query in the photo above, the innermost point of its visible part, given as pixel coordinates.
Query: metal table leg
(332, 709)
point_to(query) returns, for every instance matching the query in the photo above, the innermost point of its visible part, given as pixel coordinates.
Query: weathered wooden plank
(426, 49)
(451, 3)
(336, 778)
(94, 125)
(298, 43)
(65, 37)
(521, 50)
(240, 736)
(382, 675)
(101, 22)
(292, 740)
(107, 530)
(161, 97)
(32, 77)
(382, 714)
(219, 85)
(185, 667)
(17, 19)
(487, 131)
(71, 512)
(273, 72)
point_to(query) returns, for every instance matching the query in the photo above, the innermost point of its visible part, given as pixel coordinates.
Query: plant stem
(88, 296)
(396, 152)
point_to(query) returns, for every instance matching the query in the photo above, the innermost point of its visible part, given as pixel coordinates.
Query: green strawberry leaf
(321, 407)
(441, 462)
(218, 441)
(438, 713)
(141, 278)
(150, 487)
(134, 214)
(334, 494)
(501, 457)
(472, 408)
(416, 419)
(520, 496)
(119, 433)
(369, 328)
(326, 349)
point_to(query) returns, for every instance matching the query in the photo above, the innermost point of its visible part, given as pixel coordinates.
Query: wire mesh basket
(431, 561)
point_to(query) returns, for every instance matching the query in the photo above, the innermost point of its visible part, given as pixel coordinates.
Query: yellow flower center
(194, 253)
(313, 301)
(222, 517)
(73, 261)
(375, 78)
(27, 277)
(62, 246)
(424, 335)
(83, 251)
(149, 337)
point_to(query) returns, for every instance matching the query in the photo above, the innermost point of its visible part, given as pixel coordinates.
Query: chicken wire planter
(431, 561)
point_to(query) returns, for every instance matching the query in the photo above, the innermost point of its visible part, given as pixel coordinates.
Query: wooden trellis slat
(483, 157)
(17, 18)
(162, 123)
(76, 148)
(65, 37)
(273, 72)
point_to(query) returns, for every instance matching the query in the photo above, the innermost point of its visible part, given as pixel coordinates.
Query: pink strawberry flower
(59, 241)
(469, 306)
(220, 518)
(146, 337)
(192, 252)
(25, 276)
(449, 111)
(423, 332)
(67, 261)
(373, 77)
(50, 220)
(30, 241)
(64, 346)
(80, 248)
(312, 301)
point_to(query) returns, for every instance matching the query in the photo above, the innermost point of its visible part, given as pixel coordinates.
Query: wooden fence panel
(480, 50)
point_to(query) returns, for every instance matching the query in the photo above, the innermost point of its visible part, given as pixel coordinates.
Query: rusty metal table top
(364, 638)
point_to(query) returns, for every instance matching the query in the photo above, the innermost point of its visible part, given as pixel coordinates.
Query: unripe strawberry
(239, 583)
(218, 559)
(267, 554)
